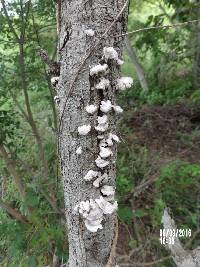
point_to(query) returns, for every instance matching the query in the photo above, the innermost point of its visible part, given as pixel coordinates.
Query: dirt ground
(168, 131)
(172, 131)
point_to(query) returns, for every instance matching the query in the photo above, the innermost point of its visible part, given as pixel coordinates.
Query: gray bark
(182, 257)
(85, 248)
(138, 67)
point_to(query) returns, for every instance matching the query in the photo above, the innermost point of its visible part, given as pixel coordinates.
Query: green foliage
(125, 214)
(175, 185)
(195, 97)
(8, 124)
(124, 176)
(34, 243)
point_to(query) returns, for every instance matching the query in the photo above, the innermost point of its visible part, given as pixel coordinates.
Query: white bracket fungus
(90, 175)
(92, 212)
(110, 139)
(109, 142)
(110, 53)
(103, 119)
(91, 109)
(84, 207)
(102, 124)
(101, 163)
(105, 152)
(120, 62)
(105, 177)
(103, 143)
(84, 130)
(98, 69)
(54, 81)
(114, 137)
(100, 137)
(124, 83)
(105, 106)
(101, 127)
(103, 84)
(101, 178)
(79, 150)
(97, 182)
(57, 99)
(89, 32)
(94, 217)
(105, 206)
(118, 109)
(93, 226)
(107, 190)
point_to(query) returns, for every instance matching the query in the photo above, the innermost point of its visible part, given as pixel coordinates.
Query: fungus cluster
(93, 211)
(98, 69)
(91, 109)
(111, 53)
(54, 83)
(57, 99)
(84, 129)
(124, 83)
(103, 84)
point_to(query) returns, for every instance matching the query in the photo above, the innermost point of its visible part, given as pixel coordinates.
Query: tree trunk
(78, 52)
(138, 67)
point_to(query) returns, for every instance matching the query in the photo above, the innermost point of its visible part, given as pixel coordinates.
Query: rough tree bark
(76, 85)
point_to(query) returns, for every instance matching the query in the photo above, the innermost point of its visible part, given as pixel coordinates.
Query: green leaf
(125, 214)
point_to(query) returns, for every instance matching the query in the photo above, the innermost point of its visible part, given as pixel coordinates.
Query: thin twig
(9, 21)
(160, 27)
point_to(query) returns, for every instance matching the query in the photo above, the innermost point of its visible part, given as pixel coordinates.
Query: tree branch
(138, 67)
(12, 170)
(24, 87)
(47, 78)
(13, 212)
(30, 115)
(161, 27)
(9, 21)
